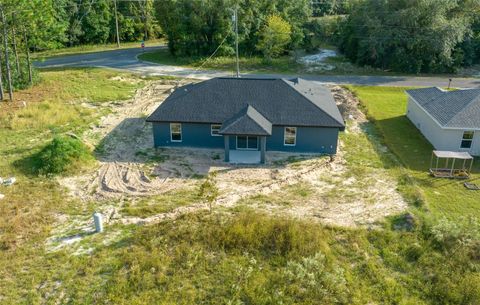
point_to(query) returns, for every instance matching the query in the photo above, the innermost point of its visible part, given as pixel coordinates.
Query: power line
(213, 54)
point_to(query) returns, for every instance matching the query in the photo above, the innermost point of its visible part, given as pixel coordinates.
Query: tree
(330, 7)
(409, 36)
(274, 37)
(197, 27)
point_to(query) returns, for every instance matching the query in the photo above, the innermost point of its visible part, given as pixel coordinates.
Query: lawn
(286, 64)
(231, 256)
(52, 107)
(444, 198)
(257, 64)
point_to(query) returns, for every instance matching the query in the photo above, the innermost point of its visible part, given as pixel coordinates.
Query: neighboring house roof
(280, 101)
(451, 109)
(247, 121)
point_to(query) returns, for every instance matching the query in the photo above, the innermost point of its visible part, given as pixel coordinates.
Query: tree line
(34, 25)
(415, 36)
(429, 36)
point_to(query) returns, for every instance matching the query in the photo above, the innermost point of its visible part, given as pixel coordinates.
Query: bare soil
(129, 168)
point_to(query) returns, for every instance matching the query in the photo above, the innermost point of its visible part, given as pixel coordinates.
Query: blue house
(248, 116)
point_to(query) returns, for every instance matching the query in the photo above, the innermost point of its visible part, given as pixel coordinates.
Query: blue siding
(193, 135)
(309, 139)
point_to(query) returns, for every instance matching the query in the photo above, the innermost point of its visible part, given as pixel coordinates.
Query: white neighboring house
(450, 120)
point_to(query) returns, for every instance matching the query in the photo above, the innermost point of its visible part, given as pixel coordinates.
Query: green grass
(53, 107)
(246, 258)
(222, 257)
(256, 64)
(158, 204)
(387, 108)
(93, 48)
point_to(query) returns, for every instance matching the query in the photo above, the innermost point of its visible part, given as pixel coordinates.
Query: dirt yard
(130, 169)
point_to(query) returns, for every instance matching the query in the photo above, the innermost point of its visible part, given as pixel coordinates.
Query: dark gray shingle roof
(247, 121)
(456, 109)
(280, 101)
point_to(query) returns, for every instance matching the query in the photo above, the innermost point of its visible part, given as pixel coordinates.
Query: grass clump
(62, 155)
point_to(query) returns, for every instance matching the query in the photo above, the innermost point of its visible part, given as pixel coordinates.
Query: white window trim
(285, 136)
(236, 143)
(211, 130)
(171, 134)
(471, 140)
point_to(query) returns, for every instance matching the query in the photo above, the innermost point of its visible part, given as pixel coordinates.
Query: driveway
(126, 59)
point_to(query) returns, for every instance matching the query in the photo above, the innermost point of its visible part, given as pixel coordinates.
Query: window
(290, 138)
(176, 132)
(467, 139)
(247, 142)
(214, 129)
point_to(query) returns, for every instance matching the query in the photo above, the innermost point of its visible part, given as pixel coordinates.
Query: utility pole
(5, 45)
(235, 14)
(116, 23)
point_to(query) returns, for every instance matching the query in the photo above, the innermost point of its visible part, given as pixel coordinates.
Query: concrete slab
(244, 156)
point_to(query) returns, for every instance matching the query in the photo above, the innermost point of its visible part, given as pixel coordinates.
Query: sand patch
(130, 169)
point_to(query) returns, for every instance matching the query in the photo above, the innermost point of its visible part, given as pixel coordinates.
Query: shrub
(62, 155)
(208, 190)
(310, 279)
(457, 235)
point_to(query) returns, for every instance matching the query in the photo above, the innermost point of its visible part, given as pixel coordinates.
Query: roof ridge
(477, 98)
(245, 113)
(247, 78)
(240, 117)
(305, 97)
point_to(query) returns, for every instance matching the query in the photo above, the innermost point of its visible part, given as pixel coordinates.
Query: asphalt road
(126, 59)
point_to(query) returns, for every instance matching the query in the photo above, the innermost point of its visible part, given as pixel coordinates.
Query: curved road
(126, 59)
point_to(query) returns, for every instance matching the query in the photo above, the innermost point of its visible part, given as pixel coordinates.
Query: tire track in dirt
(123, 173)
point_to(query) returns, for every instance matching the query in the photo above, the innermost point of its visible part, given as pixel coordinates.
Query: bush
(310, 279)
(62, 155)
(457, 235)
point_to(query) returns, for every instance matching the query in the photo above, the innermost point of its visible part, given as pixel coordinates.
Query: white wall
(441, 139)
(475, 151)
